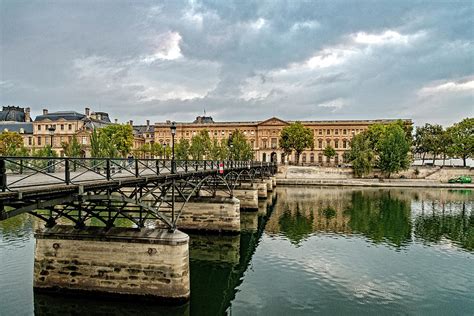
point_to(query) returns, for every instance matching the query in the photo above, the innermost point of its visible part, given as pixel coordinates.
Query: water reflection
(393, 217)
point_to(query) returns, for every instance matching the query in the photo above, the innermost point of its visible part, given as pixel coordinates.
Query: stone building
(60, 127)
(17, 119)
(264, 136)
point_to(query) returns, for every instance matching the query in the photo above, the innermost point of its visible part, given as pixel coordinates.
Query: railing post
(67, 172)
(157, 165)
(21, 166)
(186, 166)
(136, 168)
(107, 168)
(205, 164)
(3, 175)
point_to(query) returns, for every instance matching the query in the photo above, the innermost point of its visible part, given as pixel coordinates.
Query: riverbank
(426, 177)
(375, 183)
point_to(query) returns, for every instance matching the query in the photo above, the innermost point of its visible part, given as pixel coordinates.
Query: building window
(328, 132)
(22, 131)
(344, 143)
(62, 127)
(30, 141)
(320, 132)
(70, 127)
(320, 143)
(320, 158)
(84, 140)
(344, 131)
(336, 144)
(274, 143)
(39, 127)
(336, 132)
(39, 141)
(303, 158)
(328, 142)
(311, 158)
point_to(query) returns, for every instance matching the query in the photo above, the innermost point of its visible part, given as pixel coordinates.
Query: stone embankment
(436, 177)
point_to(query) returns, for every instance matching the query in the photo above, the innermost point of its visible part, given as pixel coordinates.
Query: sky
(241, 60)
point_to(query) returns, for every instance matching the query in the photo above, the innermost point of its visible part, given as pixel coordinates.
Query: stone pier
(249, 221)
(274, 181)
(262, 189)
(214, 214)
(248, 197)
(146, 263)
(269, 185)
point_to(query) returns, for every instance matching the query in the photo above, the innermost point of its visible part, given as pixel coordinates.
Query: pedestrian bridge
(85, 247)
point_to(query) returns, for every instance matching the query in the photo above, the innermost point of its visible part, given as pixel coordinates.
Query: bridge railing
(24, 172)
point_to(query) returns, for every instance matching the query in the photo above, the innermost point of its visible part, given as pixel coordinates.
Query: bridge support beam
(262, 189)
(213, 214)
(147, 263)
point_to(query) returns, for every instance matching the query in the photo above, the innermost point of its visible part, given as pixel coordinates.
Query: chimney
(131, 122)
(27, 114)
(45, 111)
(116, 121)
(87, 111)
(147, 123)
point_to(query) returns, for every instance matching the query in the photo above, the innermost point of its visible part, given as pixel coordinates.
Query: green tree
(361, 155)
(462, 138)
(433, 139)
(73, 148)
(112, 141)
(239, 148)
(329, 152)
(296, 137)
(182, 149)
(215, 151)
(200, 145)
(11, 144)
(420, 142)
(393, 150)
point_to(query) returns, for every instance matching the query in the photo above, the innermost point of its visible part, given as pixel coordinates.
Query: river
(308, 250)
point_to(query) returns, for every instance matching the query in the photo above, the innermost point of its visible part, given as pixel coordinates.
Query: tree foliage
(239, 147)
(200, 145)
(461, 136)
(113, 140)
(329, 152)
(296, 137)
(392, 150)
(182, 149)
(361, 155)
(73, 148)
(11, 144)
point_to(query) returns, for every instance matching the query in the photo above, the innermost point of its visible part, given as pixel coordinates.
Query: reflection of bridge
(141, 191)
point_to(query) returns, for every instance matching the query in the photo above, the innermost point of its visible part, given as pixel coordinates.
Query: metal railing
(25, 172)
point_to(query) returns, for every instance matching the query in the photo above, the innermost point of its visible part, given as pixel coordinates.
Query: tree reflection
(296, 227)
(437, 225)
(380, 217)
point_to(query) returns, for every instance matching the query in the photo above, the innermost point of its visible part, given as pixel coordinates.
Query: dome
(13, 114)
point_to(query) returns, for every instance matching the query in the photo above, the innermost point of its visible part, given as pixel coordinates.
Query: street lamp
(173, 133)
(51, 130)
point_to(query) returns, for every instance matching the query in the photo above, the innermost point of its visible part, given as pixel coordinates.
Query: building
(264, 136)
(60, 127)
(17, 119)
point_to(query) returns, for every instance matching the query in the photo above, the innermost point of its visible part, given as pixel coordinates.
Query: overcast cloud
(241, 60)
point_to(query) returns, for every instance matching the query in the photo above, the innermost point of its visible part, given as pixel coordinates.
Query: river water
(331, 251)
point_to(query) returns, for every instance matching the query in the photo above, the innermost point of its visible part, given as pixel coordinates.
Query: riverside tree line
(389, 147)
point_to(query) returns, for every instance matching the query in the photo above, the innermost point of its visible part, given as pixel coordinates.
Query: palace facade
(264, 136)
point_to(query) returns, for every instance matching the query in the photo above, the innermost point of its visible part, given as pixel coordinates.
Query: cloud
(334, 105)
(387, 37)
(462, 85)
(167, 47)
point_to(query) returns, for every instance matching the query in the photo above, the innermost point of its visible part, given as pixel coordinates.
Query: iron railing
(24, 172)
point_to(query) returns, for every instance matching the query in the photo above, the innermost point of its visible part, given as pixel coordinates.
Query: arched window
(303, 157)
(311, 158)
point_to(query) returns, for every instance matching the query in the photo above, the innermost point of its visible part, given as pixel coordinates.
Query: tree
(11, 144)
(73, 148)
(420, 142)
(433, 139)
(239, 147)
(182, 149)
(329, 152)
(361, 155)
(296, 137)
(112, 141)
(393, 150)
(200, 145)
(462, 138)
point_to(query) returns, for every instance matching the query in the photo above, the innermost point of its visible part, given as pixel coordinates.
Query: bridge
(84, 203)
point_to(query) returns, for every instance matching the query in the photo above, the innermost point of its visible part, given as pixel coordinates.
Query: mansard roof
(12, 114)
(19, 127)
(65, 115)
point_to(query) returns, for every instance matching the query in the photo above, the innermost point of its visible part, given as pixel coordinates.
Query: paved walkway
(410, 183)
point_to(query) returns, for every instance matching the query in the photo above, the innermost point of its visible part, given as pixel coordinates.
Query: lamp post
(51, 130)
(173, 170)
(173, 133)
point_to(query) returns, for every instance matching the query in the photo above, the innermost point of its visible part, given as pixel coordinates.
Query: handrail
(26, 171)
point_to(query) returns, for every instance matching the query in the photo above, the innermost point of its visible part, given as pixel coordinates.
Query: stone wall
(218, 214)
(150, 263)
